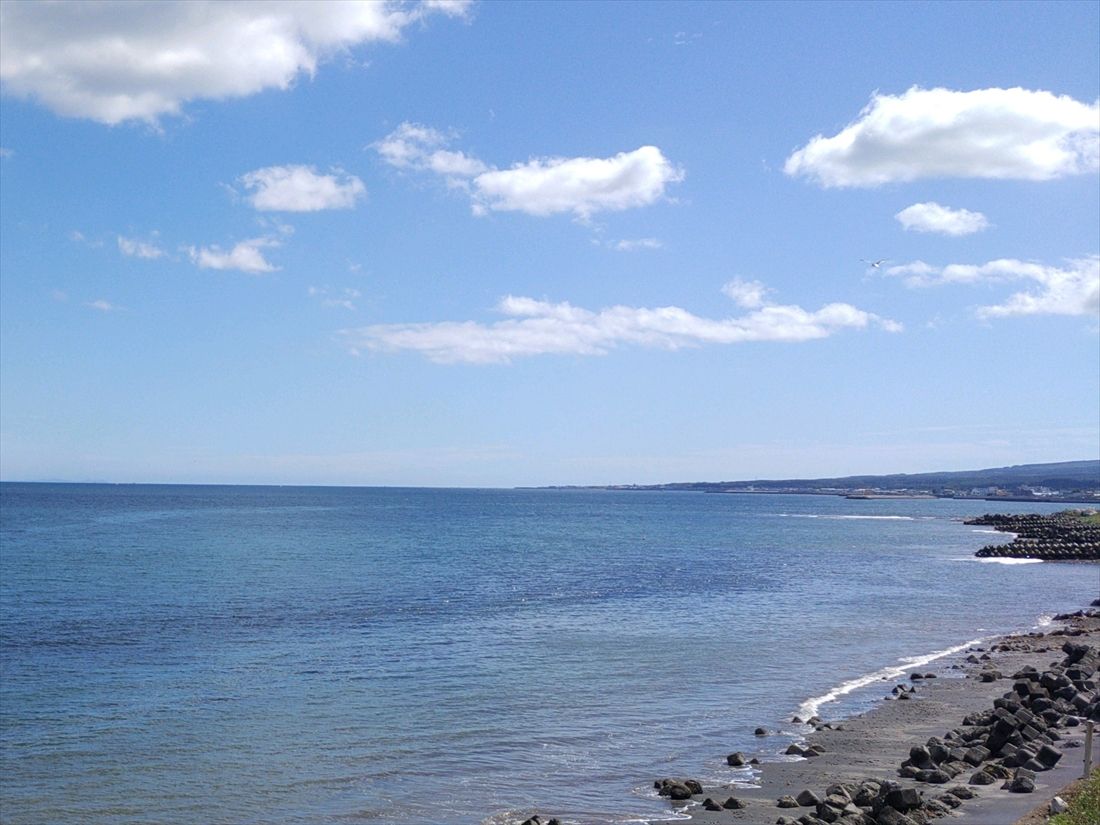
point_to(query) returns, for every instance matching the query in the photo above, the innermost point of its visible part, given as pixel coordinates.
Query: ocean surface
(350, 655)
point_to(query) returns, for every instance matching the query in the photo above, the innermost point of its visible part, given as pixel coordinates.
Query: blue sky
(494, 244)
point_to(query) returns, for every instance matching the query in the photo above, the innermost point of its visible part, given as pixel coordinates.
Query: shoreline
(873, 744)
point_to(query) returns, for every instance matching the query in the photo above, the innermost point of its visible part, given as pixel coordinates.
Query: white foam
(845, 518)
(992, 560)
(810, 707)
(984, 530)
(995, 560)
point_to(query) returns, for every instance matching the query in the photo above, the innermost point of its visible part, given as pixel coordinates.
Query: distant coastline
(1067, 482)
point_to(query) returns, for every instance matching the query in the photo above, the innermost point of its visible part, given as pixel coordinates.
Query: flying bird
(875, 264)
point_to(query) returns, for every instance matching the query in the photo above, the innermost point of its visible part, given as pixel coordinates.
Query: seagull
(875, 264)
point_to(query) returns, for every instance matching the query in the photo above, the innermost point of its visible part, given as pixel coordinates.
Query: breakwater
(1067, 536)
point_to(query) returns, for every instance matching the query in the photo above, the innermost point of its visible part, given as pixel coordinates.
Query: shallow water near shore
(325, 655)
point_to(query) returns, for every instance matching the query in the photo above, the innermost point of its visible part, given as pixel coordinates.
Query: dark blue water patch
(197, 654)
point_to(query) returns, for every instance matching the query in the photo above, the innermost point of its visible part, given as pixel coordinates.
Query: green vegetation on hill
(1075, 480)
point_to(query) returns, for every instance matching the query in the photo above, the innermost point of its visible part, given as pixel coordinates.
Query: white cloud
(301, 189)
(419, 147)
(6, 152)
(539, 327)
(104, 306)
(541, 186)
(119, 61)
(1070, 290)
(943, 220)
(747, 294)
(636, 244)
(583, 186)
(133, 248)
(940, 133)
(246, 256)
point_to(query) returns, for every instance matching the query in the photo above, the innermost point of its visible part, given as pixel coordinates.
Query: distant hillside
(1064, 476)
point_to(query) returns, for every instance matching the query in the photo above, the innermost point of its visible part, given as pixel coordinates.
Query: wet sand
(873, 745)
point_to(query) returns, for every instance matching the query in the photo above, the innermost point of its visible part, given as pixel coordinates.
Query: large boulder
(808, 799)
(903, 799)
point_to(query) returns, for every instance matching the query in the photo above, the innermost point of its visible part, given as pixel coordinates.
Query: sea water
(191, 654)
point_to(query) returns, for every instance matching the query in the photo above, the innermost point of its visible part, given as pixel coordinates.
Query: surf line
(810, 707)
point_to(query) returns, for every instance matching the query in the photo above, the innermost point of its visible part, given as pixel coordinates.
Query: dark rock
(1048, 756)
(710, 805)
(678, 788)
(1020, 784)
(786, 802)
(733, 804)
(982, 778)
(844, 790)
(736, 760)
(975, 756)
(937, 750)
(867, 794)
(808, 798)
(935, 808)
(961, 792)
(903, 799)
(891, 816)
(761, 732)
(950, 800)
(921, 757)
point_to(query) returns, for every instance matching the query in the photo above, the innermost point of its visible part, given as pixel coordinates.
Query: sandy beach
(873, 745)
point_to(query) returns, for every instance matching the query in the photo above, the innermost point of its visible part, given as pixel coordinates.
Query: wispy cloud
(116, 62)
(942, 220)
(76, 236)
(246, 256)
(301, 189)
(582, 186)
(1070, 290)
(628, 245)
(537, 327)
(328, 297)
(5, 152)
(134, 248)
(103, 306)
(940, 133)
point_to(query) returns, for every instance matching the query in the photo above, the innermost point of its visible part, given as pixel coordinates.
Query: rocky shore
(1066, 536)
(997, 734)
(989, 739)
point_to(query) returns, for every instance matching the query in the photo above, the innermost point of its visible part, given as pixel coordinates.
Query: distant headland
(1065, 481)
